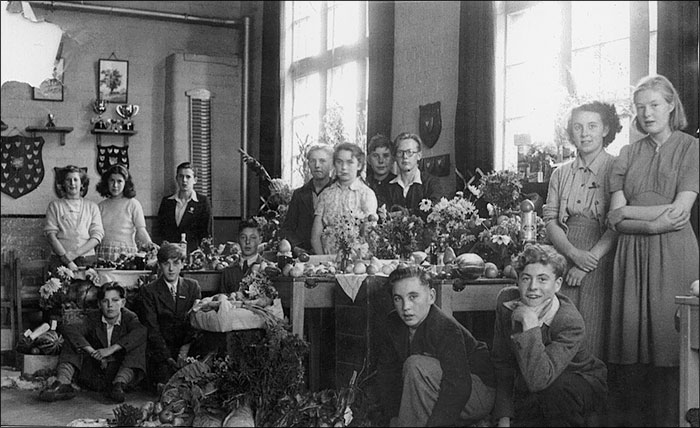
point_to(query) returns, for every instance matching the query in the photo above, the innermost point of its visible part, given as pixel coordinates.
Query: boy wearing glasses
(411, 186)
(381, 162)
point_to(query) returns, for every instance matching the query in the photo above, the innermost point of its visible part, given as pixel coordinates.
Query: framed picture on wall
(113, 79)
(51, 89)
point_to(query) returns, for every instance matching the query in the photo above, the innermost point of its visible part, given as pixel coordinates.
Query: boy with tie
(165, 303)
(249, 237)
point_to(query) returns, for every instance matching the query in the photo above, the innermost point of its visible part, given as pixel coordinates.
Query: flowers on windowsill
(397, 234)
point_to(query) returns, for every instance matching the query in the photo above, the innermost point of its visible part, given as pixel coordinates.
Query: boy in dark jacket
(107, 348)
(431, 370)
(545, 376)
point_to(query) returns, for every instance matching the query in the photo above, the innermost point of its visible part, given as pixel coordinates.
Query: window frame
(642, 41)
(322, 63)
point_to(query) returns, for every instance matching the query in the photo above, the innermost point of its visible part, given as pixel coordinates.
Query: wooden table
(456, 295)
(690, 357)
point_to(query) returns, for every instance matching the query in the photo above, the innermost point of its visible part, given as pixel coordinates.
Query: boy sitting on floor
(431, 370)
(107, 349)
(545, 376)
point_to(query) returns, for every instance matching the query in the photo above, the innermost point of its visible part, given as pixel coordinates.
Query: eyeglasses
(406, 153)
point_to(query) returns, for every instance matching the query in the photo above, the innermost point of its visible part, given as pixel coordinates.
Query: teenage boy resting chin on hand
(545, 376)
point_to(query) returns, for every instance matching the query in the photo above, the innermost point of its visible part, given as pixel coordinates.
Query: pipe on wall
(243, 23)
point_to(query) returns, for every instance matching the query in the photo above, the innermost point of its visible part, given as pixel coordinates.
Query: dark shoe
(57, 391)
(117, 393)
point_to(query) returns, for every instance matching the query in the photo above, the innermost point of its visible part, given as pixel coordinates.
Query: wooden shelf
(63, 130)
(100, 132)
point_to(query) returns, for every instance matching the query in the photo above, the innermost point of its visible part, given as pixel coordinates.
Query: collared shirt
(110, 327)
(171, 286)
(250, 260)
(406, 186)
(576, 189)
(543, 318)
(181, 205)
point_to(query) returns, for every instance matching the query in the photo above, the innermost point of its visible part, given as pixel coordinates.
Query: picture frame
(51, 89)
(113, 80)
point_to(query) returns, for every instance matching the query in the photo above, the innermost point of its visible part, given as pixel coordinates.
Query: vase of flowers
(66, 290)
(344, 236)
(396, 234)
(453, 222)
(501, 190)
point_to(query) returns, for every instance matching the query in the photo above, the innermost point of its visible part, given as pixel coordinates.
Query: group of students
(80, 231)
(592, 313)
(322, 201)
(594, 307)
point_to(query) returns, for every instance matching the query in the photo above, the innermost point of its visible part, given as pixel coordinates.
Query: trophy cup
(127, 111)
(99, 106)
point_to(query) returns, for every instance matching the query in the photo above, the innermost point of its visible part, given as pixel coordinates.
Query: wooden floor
(23, 407)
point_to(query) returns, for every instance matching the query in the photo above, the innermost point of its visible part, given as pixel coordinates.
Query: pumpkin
(469, 266)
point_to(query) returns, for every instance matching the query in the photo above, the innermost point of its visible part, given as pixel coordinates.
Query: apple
(490, 270)
(359, 268)
(372, 269)
(509, 272)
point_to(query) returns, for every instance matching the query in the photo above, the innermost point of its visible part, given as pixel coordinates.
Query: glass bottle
(528, 222)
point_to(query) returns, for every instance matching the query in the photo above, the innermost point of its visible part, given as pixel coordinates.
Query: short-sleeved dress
(357, 200)
(650, 270)
(578, 200)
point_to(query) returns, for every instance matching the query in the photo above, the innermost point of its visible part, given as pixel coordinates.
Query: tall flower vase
(344, 260)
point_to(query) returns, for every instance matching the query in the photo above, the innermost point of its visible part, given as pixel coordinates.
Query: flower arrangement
(274, 207)
(64, 290)
(502, 190)
(397, 234)
(500, 240)
(343, 236)
(454, 222)
(257, 284)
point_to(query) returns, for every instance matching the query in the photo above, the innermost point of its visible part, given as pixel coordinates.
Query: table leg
(297, 308)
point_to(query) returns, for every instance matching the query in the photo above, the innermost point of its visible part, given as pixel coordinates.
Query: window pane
(597, 22)
(342, 93)
(343, 23)
(534, 33)
(305, 123)
(306, 29)
(603, 71)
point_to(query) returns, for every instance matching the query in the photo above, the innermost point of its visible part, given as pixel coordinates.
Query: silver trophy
(127, 111)
(99, 107)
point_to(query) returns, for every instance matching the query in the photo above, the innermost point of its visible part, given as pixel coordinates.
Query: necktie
(173, 292)
(245, 266)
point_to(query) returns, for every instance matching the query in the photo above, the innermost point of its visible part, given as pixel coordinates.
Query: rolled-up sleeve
(616, 179)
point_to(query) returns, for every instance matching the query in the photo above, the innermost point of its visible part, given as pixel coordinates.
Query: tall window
(324, 62)
(553, 55)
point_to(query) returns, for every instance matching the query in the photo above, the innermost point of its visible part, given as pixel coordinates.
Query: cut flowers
(397, 234)
(66, 290)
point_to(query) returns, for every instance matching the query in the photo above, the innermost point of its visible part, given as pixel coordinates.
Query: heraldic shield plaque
(430, 123)
(22, 165)
(108, 156)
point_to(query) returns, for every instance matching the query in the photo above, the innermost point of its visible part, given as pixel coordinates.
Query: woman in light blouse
(348, 194)
(577, 204)
(73, 223)
(122, 215)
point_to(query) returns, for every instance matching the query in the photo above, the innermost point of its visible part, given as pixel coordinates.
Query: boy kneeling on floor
(545, 375)
(431, 370)
(107, 349)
